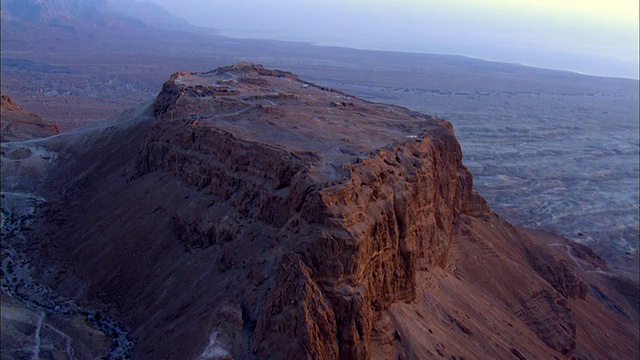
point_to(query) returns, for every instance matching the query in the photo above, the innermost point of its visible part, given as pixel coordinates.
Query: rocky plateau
(549, 150)
(249, 214)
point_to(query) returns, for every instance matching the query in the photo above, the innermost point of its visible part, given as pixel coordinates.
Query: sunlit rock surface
(246, 206)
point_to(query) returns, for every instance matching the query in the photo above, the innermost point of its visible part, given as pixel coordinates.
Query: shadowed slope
(255, 207)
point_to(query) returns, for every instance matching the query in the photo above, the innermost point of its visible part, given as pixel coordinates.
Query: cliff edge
(251, 214)
(354, 198)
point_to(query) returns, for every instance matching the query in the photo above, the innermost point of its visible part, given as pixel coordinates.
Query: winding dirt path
(18, 212)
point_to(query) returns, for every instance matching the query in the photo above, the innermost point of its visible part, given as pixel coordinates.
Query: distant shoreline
(414, 48)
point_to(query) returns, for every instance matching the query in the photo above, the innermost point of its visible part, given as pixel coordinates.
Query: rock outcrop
(18, 124)
(360, 224)
(261, 216)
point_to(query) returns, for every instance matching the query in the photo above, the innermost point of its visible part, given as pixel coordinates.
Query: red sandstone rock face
(260, 216)
(18, 124)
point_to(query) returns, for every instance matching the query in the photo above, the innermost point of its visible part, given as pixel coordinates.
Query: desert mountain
(71, 16)
(512, 120)
(18, 124)
(250, 214)
(149, 13)
(82, 15)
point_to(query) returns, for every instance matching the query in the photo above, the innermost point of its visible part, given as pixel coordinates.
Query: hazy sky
(593, 37)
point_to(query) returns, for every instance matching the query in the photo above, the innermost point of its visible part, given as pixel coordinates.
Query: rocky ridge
(18, 124)
(261, 216)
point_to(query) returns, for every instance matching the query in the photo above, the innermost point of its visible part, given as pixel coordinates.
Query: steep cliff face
(359, 225)
(256, 215)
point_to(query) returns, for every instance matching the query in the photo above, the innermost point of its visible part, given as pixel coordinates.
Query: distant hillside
(149, 13)
(71, 15)
(86, 16)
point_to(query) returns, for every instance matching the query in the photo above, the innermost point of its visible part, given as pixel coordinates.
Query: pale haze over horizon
(590, 37)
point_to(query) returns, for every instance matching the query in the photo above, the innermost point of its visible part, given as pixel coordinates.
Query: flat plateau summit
(249, 214)
(320, 127)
